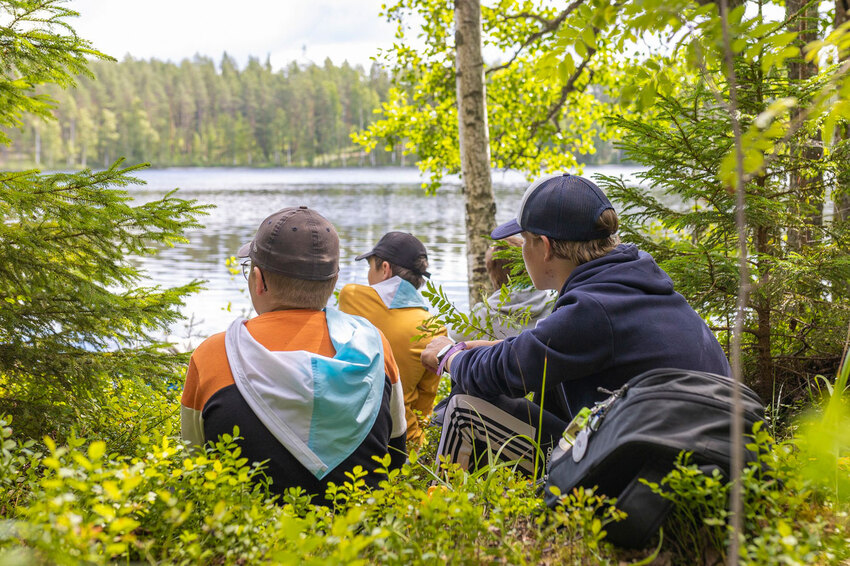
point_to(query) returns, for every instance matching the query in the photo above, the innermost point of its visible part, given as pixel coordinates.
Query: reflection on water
(363, 204)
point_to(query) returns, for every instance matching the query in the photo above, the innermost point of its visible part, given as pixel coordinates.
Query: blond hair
(583, 252)
(499, 268)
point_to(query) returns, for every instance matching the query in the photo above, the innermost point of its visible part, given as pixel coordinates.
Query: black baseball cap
(399, 248)
(560, 206)
(296, 242)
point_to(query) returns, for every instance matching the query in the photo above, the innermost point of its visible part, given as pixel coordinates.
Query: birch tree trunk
(474, 143)
(841, 193)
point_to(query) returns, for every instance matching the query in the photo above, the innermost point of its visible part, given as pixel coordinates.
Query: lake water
(363, 204)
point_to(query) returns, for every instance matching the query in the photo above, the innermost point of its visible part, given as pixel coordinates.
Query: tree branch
(548, 27)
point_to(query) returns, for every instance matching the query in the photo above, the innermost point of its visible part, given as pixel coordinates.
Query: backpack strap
(645, 510)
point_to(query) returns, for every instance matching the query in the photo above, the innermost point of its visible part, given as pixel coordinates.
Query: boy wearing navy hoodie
(616, 317)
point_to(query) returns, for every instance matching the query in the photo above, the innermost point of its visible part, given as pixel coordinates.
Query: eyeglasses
(247, 268)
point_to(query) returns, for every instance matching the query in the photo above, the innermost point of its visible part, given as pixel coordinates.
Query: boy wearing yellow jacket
(398, 266)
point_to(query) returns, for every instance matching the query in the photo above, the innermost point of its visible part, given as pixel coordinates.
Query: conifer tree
(76, 329)
(682, 213)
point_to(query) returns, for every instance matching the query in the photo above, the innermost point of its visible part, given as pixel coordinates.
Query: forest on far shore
(203, 113)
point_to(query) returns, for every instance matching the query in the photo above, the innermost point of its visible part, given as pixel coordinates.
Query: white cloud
(286, 30)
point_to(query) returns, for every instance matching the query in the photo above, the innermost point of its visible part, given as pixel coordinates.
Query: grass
(151, 501)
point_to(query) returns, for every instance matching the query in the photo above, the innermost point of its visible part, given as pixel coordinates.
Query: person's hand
(429, 354)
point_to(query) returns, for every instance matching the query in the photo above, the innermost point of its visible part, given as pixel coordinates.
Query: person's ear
(547, 248)
(386, 270)
(259, 281)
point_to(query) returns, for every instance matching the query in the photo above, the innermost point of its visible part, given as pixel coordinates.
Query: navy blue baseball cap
(560, 206)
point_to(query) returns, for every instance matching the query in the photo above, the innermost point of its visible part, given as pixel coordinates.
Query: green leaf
(782, 39)
(647, 95)
(581, 49)
(122, 525)
(753, 161)
(589, 37)
(738, 45)
(569, 66)
(96, 450)
(828, 129)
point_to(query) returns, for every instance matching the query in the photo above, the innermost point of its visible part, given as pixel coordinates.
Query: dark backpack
(639, 431)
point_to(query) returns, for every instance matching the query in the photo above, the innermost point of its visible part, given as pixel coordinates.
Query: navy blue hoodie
(616, 317)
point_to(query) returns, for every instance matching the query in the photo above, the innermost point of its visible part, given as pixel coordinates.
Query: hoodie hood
(624, 266)
(538, 303)
(397, 293)
(320, 409)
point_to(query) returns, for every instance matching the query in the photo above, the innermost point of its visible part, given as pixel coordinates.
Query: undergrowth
(79, 503)
(146, 498)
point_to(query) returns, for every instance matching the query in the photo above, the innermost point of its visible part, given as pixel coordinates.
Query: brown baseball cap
(297, 242)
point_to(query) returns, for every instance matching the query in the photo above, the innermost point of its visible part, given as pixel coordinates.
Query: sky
(285, 30)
